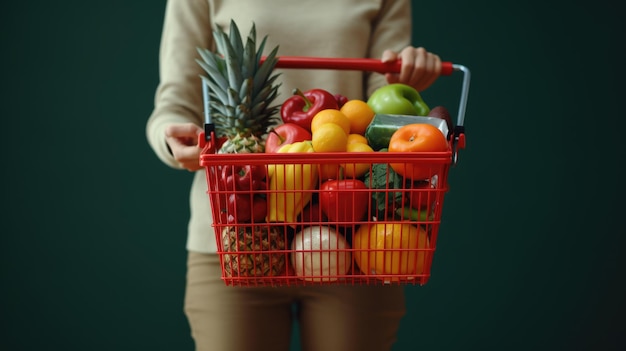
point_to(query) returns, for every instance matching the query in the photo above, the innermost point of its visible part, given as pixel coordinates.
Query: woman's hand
(182, 140)
(420, 68)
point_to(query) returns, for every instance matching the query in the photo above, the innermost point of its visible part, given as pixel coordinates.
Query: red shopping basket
(310, 232)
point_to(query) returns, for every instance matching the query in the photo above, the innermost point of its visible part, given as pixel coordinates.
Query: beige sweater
(319, 28)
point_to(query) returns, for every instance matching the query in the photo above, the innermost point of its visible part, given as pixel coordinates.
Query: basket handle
(355, 64)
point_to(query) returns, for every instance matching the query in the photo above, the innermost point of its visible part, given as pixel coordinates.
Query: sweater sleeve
(178, 97)
(391, 30)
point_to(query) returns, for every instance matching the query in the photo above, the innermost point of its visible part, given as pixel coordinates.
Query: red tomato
(284, 134)
(416, 137)
(344, 200)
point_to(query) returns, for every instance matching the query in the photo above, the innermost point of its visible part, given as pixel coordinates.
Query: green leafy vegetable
(383, 177)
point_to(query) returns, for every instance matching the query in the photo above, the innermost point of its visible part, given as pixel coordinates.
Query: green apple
(398, 99)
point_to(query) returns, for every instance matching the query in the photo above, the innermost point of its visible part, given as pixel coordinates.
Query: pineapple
(258, 238)
(241, 90)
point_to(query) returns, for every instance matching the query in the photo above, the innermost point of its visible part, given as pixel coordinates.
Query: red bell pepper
(248, 177)
(245, 208)
(344, 200)
(287, 133)
(302, 107)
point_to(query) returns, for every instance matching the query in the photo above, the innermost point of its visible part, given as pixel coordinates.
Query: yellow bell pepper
(285, 199)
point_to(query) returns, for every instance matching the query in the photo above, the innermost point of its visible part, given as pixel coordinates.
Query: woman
(330, 317)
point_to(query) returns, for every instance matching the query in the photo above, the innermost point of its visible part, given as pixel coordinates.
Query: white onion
(328, 258)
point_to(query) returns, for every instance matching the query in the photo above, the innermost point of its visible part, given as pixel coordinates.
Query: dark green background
(530, 253)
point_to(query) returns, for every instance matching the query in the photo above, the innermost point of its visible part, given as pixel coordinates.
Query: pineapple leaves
(241, 87)
(245, 93)
(266, 91)
(224, 47)
(213, 61)
(214, 82)
(265, 70)
(214, 92)
(233, 97)
(259, 54)
(249, 64)
(235, 42)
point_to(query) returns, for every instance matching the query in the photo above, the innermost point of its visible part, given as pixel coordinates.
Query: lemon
(330, 116)
(329, 137)
(356, 170)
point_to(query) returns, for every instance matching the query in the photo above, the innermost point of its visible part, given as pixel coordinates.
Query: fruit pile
(319, 221)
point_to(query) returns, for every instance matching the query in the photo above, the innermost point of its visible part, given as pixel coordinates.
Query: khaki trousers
(333, 317)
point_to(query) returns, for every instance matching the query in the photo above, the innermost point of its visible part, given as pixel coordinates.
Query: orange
(360, 115)
(330, 116)
(357, 138)
(417, 137)
(375, 248)
(329, 137)
(329, 171)
(355, 170)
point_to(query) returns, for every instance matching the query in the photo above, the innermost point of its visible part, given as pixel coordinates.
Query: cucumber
(413, 214)
(382, 127)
